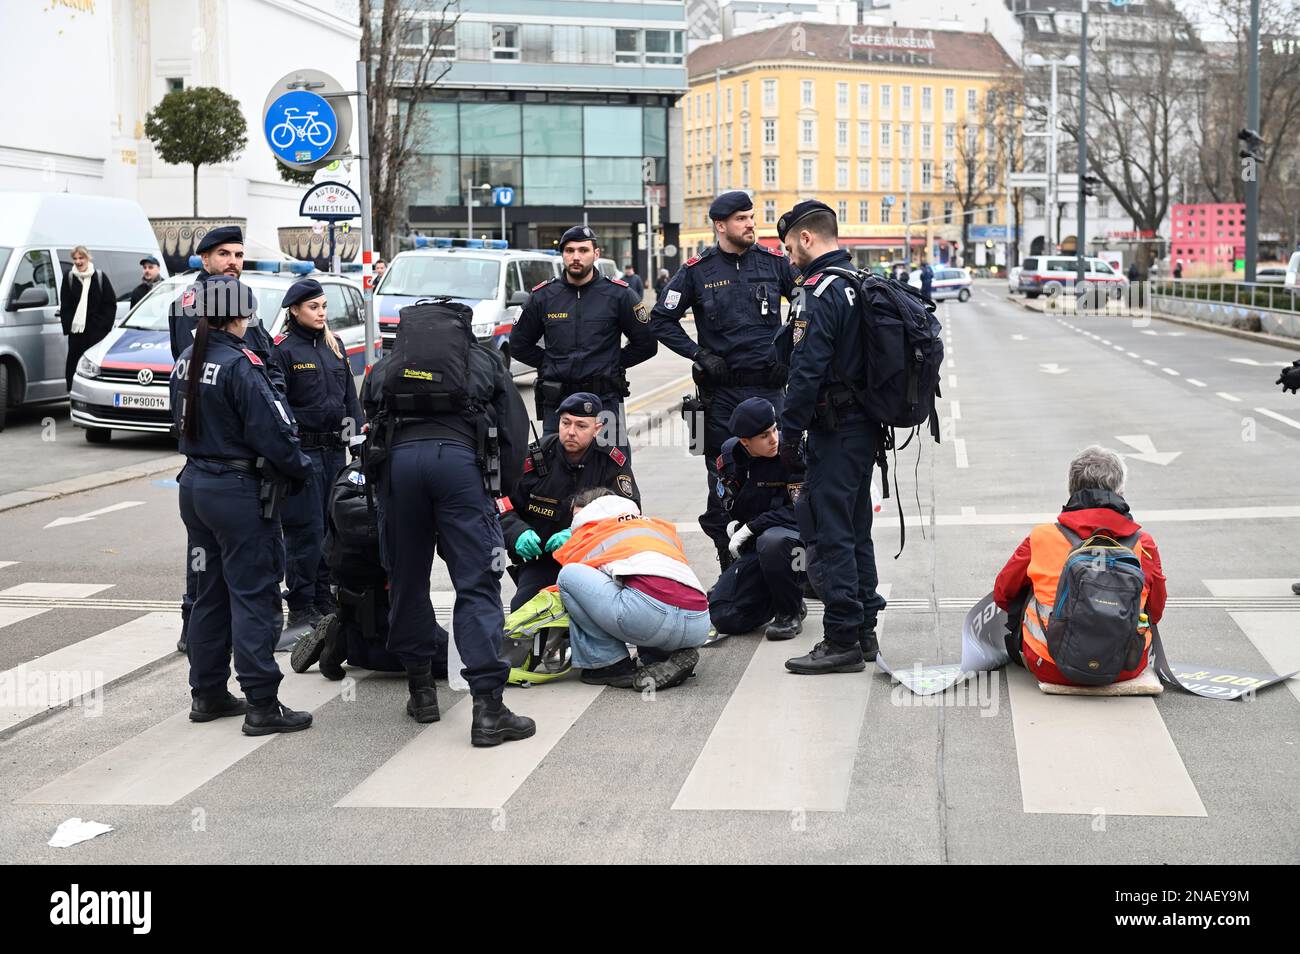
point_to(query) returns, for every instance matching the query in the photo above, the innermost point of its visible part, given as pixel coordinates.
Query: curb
(77, 485)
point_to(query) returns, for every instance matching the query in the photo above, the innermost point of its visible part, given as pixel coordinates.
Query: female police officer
(323, 397)
(237, 435)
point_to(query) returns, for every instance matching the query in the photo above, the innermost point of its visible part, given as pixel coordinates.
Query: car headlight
(87, 368)
(482, 329)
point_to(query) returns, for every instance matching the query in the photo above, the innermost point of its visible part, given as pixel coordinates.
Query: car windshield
(450, 275)
(151, 313)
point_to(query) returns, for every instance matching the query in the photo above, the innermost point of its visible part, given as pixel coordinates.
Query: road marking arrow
(1167, 334)
(1019, 338)
(64, 521)
(1146, 450)
(1261, 364)
(1052, 369)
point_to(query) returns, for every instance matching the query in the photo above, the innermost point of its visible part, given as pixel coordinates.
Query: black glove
(1290, 377)
(791, 452)
(714, 366)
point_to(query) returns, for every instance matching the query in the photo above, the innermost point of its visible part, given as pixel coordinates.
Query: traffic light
(1088, 184)
(1253, 146)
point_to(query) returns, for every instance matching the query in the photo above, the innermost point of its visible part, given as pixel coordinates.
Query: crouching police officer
(535, 518)
(242, 455)
(321, 392)
(735, 290)
(824, 344)
(757, 491)
(581, 317)
(446, 437)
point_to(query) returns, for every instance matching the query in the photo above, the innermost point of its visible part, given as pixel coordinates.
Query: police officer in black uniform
(535, 518)
(824, 344)
(436, 487)
(323, 396)
(734, 289)
(242, 453)
(582, 317)
(758, 492)
(222, 253)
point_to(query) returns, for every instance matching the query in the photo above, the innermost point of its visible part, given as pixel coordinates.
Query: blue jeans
(605, 615)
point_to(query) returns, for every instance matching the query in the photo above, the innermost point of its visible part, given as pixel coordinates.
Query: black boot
(302, 617)
(334, 648)
(667, 673)
(423, 704)
(867, 641)
(494, 723)
(267, 716)
(785, 626)
(619, 674)
(307, 649)
(208, 708)
(827, 657)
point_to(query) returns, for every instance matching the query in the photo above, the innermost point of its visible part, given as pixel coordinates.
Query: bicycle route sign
(300, 126)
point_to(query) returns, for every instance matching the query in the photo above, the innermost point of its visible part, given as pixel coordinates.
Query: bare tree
(1004, 109)
(404, 45)
(970, 177)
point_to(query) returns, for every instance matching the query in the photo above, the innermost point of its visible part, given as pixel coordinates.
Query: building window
(505, 42)
(627, 46)
(175, 84)
(731, 183)
(744, 95)
(971, 100)
(842, 135)
(927, 99)
(769, 132)
(806, 137)
(927, 137)
(988, 217)
(949, 137)
(886, 97)
(708, 139)
(806, 177)
(864, 174)
(990, 175)
(728, 102)
(708, 105)
(665, 47)
(842, 174)
(905, 98)
(728, 137)
(864, 137)
(949, 99)
(925, 210)
(972, 137)
(927, 174)
(690, 142)
(947, 213)
(769, 212)
(744, 173)
(905, 137)
(769, 173)
(769, 94)
(806, 96)
(842, 212)
(842, 95)
(886, 174)
(950, 175)
(864, 98)
(864, 212)
(884, 136)
(744, 134)
(905, 174)
(690, 179)
(886, 211)
(907, 210)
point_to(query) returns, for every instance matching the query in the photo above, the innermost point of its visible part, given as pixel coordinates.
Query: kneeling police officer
(243, 454)
(536, 517)
(757, 491)
(446, 437)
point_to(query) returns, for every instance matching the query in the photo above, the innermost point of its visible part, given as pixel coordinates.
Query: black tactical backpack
(429, 364)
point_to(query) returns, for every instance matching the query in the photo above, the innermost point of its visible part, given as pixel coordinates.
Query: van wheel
(1053, 288)
(98, 435)
(1030, 294)
(964, 295)
(4, 393)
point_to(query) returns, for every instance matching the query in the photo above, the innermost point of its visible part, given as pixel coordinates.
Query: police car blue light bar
(301, 268)
(195, 262)
(265, 266)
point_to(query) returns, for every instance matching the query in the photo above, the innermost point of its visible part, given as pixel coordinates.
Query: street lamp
(1037, 60)
(470, 189)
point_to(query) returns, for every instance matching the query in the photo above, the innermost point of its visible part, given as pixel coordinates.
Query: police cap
(579, 233)
(581, 404)
(302, 290)
(752, 417)
(221, 299)
(220, 236)
(729, 203)
(801, 210)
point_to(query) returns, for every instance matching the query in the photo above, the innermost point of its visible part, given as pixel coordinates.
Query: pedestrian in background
(633, 280)
(927, 279)
(150, 276)
(661, 281)
(87, 308)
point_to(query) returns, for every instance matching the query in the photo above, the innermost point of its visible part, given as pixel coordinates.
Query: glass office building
(574, 114)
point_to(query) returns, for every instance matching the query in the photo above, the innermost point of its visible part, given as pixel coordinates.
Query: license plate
(151, 402)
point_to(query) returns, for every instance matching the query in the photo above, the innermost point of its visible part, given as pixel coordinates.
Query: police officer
(242, 452)
(535, 518)
(323, 396)
(824, 345)
(436, 493)
(222, 253)
(581, 317)
(734, 289)
(758, 491)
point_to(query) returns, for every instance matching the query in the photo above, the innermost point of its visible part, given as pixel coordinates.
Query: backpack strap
(1074, 539)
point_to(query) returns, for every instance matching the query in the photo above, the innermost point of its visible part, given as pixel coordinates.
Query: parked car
(495, 282)
(1271, 274)
(948, 282)
(121, 384)
(1293, 271)
(609, 268)
(1050, 275)
(1013, 279)
(37, 234)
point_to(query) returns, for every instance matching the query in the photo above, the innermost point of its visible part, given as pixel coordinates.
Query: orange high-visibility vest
(1049, 548)
(617, 538)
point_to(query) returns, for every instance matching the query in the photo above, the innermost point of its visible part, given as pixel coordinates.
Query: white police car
(948, 282)
(491, 278)
(122, 382)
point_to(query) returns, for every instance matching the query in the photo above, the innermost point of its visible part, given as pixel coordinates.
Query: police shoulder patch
(528, 464)
(639, 312)
(778, 252)
(617, 456)
(692, 260)
(187, 300)
(619, 281)
(625, 485)
(543, 284)
(503, 503)
(812, 279)
(281, 336)
(251, 356)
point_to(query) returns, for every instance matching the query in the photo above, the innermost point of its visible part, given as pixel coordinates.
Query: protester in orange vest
(624, 578)
(1096, 504)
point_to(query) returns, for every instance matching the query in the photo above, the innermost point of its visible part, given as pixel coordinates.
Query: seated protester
(1027, 586)
(625, 579)
(757, 493)
(535, 517)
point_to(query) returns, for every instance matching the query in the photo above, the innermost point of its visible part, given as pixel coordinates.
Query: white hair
(1098, 468)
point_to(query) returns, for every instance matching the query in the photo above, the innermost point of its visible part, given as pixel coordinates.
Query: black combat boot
(785, 626)
(828, 657)
(619, 674)
(267, 716)
(334, 648)
(307, 649)
(302, 617)
(423, 704)
(208, 708)
(867, 640)
(494, 723)
(667, 673)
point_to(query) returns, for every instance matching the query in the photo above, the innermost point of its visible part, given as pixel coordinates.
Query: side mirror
(519, 298)
(34, 297)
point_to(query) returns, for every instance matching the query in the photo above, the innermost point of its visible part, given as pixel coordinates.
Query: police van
(490, 277)
(122, 383)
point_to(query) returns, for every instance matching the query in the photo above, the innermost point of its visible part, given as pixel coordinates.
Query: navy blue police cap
(801, 210)
(752, 417)
(220, 236)
(302, 290)
(579, 233)
(581, 404)
(148, 260)
(221, 297)
(729, 203)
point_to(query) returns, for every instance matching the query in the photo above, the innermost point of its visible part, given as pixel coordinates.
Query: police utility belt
(272, 488)
(551, 393)
(838, 405)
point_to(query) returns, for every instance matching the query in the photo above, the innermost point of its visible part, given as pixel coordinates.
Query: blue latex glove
(529, 545)
(558, 540)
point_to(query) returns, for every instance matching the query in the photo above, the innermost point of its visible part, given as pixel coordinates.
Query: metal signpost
(504, 197)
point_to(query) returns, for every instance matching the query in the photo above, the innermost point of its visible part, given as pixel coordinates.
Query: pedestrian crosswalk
(760, 740)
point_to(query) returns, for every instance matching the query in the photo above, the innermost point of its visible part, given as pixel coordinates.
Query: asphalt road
(744, 762)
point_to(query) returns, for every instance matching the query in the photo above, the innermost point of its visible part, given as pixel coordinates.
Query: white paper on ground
(75, 830)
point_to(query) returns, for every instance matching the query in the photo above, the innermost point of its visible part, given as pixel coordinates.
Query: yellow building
(862, 118)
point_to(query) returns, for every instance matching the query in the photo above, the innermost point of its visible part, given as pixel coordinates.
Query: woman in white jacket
(624, 578)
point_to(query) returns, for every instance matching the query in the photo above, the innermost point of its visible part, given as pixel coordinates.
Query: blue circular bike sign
(300, 126)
